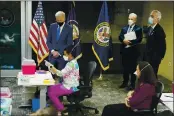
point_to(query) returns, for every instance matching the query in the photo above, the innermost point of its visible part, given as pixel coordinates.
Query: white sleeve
(66, 70)
(59, 73)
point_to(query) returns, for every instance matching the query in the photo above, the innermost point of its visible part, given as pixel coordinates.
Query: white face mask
(135, 73)
(130, 22)
(65, 58)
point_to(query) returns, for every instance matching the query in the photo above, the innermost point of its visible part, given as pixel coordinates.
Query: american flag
(38, 34)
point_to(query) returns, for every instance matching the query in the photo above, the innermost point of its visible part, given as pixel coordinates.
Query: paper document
(167, 97)
(130, 36)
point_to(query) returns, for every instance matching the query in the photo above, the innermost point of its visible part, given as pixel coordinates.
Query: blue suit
(65, 39)
(130, 55)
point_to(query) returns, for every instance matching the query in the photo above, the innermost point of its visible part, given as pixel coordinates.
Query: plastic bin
(6, 111)
(28, 67)
(5, 92)
(36, 104)
(6, 101)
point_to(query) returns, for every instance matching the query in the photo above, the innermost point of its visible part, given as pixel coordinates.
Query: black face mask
(60, 23)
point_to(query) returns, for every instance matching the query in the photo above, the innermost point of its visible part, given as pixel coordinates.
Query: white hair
(60, 13)
(159, 15)
(132, 15)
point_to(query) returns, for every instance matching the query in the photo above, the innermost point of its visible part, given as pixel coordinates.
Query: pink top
(142, 97)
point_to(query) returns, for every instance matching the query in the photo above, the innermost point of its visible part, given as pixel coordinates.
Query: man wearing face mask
(130, 54)
(59, 37)
(156, 43)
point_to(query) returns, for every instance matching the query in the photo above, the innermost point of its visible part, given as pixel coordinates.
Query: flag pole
(101, 75)
(38, 45)
(38, 49)
(73, 3)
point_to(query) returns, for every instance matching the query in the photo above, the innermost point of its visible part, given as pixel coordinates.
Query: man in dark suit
(129, 51)
(59, 37)
(156, 43)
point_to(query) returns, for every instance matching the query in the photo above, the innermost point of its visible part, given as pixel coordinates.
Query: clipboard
(130, 36)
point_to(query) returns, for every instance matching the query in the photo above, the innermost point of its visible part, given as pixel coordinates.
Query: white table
(167, 100)
(41, 80)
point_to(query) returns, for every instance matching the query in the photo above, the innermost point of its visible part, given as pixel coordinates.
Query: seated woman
(70, 82)
(140, 98)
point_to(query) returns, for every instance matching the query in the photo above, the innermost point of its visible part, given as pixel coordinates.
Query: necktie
(150, 31)
(58, 33)
(130, 29)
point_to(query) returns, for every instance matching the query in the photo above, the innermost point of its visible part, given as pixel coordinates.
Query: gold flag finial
(74, 3)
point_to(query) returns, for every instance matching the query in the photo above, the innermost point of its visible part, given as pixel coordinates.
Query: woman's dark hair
(147, 73)
(70, 50)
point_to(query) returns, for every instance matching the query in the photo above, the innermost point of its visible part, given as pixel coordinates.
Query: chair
(155, 100)
(85, 90)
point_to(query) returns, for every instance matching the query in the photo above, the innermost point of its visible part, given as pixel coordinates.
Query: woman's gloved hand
(51, 68)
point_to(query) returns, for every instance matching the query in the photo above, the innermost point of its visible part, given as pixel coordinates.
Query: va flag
(102, 46)
(71, 20)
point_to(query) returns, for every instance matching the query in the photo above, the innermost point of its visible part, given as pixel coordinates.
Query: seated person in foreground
(141, 98)
(70, 82)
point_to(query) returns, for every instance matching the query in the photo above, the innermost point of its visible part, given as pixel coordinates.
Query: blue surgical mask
(150, 20)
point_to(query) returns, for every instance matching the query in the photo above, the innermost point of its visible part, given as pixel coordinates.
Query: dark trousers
(59, 62)
(117, 110)
(155, 66)
(129, 61)
(121, 110)
(154, 61)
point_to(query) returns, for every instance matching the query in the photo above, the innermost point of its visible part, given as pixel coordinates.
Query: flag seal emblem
(74, 25)
(102, 34)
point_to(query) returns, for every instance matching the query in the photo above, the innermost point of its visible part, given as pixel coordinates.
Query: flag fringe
(104, 68)
(39, 61)
(79, 56)
(31, 45)
(43, 57)
(111, 59)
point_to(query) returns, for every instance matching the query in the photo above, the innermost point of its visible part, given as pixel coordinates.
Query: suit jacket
(156, 43)
(65, 38)
(138, 32)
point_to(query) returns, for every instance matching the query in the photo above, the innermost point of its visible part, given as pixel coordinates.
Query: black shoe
(123, 85)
